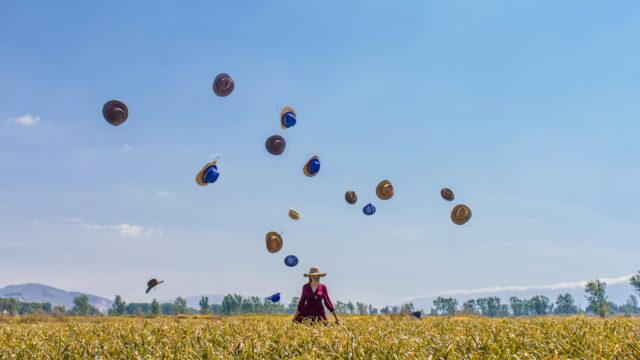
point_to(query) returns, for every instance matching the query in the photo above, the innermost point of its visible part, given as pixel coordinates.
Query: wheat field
(275, 337)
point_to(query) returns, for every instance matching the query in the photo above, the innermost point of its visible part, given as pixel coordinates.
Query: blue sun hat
(312, 167)
(291, 261)
(287, 117)
(369, 209)
(208, 174)
(274, 298)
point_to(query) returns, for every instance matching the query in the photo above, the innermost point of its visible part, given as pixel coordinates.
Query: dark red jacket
(310, 305)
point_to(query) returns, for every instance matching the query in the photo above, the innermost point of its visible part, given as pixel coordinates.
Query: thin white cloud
(515, 288)
(165, 194)
(25, 120)
(126, 148)
(74, 220)
(36, 223)
(127, 230)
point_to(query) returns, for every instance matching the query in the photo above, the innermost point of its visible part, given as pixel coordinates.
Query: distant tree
(565, 304)
(373, 311)
(631, 306)
(82, 307)
(483, 306)
(635, 282)
(395, 310)
(168, 309)
(58, 311)
(230, 305)
(444, 306)
(469, 307)
(361, 308)
(155, 307)
(539, 305)
(407, 308)
(204, 305)
(118, 306)
(351, 308)
(293, 305)
(385, 310)
(181, 305)
(596, 295)
(246, 306)
(215, 308)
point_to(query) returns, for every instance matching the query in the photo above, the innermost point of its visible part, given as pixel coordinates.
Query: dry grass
(274, 337)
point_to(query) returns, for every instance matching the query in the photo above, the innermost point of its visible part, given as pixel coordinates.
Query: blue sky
(527, 110)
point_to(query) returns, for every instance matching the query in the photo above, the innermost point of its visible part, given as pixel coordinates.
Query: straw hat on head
(274, 242)
(460, 214)
(287, 117)
(315, 271)
(384, 190)
(312, 166)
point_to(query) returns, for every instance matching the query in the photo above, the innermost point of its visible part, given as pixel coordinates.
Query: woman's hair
(317, 277)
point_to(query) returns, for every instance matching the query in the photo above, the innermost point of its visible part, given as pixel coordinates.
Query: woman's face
(314, 278)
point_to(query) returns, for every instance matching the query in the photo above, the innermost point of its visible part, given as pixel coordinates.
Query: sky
(528, 110)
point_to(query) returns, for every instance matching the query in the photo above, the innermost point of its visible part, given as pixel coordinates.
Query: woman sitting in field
(310, 306)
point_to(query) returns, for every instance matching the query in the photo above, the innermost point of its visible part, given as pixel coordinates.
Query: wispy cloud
(165, 194)
(127, 230)
(25, 120)
(125, 148)
(515, 288)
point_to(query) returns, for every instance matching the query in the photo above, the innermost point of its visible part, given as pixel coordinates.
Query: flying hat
(152, 283)
(369, 209)
(447, 194)
(384, 190)
(208, 174)
(291, 260)
(312, 167)
(274, 242)
(223, 85)
(351, 197)
(275, 145)
(287, 117)
(315, 271)
(274, 298)
(294, 214)
(115, 112)
(460, 214)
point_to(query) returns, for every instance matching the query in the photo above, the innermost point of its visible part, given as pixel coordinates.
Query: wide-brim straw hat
(223, 85)
(200, 174)
(350, 197)
(460, 214)
(294, 215)
(283, 112)
(115, 112)
(447, 194)
(305, 169)
(275, 145)
(384, 190)
(315, 271)
(274, 241)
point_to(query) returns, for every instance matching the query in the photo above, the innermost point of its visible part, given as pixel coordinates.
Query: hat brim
(200, 174)
(318, 274)
(285, 110)
(379, 192)
(278, 244)
(305, 169)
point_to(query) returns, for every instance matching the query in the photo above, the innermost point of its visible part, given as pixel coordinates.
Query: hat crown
(314, 270)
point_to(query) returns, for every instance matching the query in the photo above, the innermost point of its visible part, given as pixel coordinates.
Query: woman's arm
(329, 305)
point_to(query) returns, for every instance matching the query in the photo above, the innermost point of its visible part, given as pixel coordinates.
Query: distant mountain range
(40, 293)
(617, 293)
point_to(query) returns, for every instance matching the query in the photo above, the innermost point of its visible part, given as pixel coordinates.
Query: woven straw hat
(274, 242)
(384, 190)
(351, 197)
(294, 215)
(315, 271)
(447, 194)
(460, 214)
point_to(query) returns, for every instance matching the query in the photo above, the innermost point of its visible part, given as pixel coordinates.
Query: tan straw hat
(200, 174)
(460, 214)
(351, 197)
(315, 271)
(384, 190)
(294, 215)
(274, 242)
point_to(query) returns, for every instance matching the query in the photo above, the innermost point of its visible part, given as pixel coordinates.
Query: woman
(313, 294)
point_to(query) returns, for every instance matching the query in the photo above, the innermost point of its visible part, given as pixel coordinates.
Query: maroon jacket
(310, 305)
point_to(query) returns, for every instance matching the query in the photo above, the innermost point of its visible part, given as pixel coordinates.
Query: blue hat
(369, 209)
(208, 174)
(287, 117)
(312, 167)
(274, 298)
(291, 261)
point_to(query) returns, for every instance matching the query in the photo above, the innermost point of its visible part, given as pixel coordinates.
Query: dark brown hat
(275, 145)
(447, 194)
(115, 112)
(153, 283)
(223, 85)
(384, 190)
(460, 214)
(274, 242)
(351, 197)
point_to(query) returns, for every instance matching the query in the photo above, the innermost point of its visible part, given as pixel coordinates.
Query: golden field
(275, 337)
